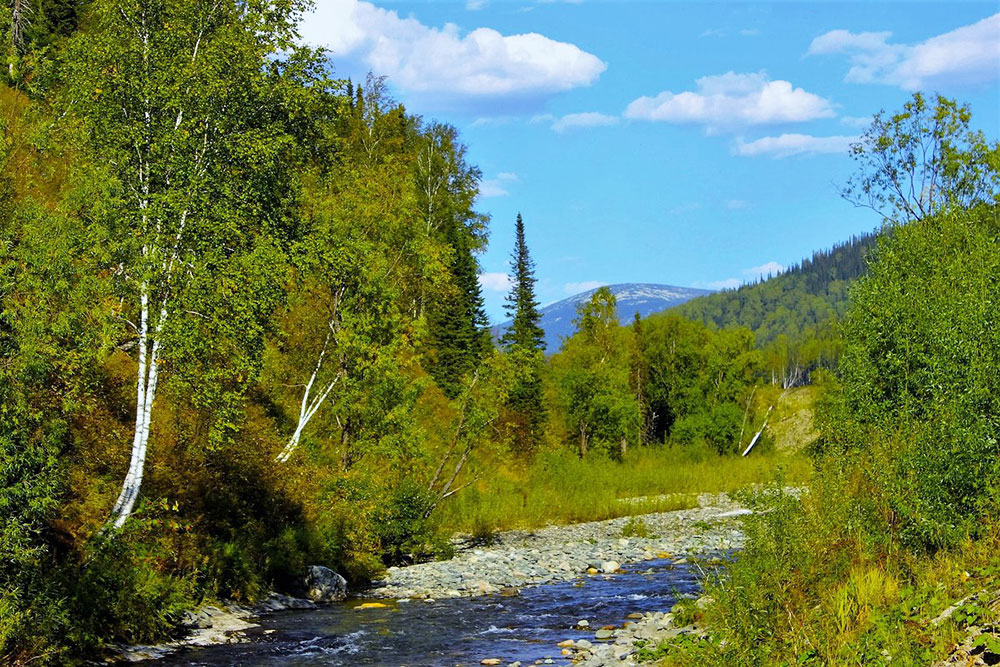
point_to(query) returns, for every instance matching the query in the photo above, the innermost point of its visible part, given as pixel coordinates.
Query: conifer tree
(521, 306)
(458, 324)
(524, 340)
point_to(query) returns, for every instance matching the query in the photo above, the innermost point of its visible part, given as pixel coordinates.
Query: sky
(698, 144)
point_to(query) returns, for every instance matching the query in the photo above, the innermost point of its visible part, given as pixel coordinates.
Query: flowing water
(459, 631)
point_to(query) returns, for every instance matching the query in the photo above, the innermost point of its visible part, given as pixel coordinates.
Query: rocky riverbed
(585, 562)
(561, 553)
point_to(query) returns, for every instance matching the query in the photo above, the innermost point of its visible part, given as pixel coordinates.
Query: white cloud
(443, 65)
(475, 5)
(586, 119)
(969, 55)
(494, 282)
(585, 286)
(772, 268)
(787, 145)
(731, 100)
(497, 187)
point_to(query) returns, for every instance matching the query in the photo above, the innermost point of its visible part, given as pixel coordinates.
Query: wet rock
(324, 585)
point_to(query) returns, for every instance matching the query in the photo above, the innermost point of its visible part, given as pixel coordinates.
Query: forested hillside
(240, 323)
(794, 316)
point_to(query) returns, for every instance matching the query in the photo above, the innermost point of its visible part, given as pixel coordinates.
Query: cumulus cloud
(772, 268)
(444, 64)
(787, 145)
(969, 55)
(494, 282)
(731, 100)
(497, 187)
(585, 286)
(586, 119)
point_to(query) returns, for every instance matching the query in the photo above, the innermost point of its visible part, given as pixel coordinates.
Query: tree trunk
(147, 375)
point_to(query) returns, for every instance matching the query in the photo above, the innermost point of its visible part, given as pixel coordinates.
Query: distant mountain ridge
(644, 298)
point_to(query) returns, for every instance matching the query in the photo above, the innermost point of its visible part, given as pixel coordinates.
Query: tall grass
(558, 487)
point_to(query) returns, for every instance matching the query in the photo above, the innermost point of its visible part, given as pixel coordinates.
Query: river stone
(603, 634)
(324, 585)
(610, 566)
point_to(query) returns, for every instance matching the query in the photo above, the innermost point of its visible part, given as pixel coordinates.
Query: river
(458, 631)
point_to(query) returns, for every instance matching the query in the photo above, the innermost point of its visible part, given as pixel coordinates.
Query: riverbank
(515, 560)
(521, 558)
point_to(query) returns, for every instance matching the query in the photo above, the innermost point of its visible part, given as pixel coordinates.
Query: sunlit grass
(560, 488)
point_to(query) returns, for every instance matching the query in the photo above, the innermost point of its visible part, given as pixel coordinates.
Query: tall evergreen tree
(458, 323)
(524, 340)
(522, 307)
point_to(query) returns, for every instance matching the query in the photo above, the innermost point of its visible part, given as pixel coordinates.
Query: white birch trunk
(147, 375)
(309, 407)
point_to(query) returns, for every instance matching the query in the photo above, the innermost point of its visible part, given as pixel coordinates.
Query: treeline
(663, 379)
(794, 316)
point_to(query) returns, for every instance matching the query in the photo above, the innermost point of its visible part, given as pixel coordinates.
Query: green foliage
(592, 378)
(794, 316)
(923, 161)
(902, 505)
(920, 366)
(524, 337)
(635, 527)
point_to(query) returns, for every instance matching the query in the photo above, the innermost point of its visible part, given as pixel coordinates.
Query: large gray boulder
(324, 585)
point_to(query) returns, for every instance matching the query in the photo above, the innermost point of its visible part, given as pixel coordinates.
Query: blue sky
(688, 143)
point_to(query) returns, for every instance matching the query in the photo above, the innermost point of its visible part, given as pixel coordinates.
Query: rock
(704, 602)
(371, 605)
(510, 592)
(603, 634)
(610, 566)
(592, 570)
(490, 661)
(566, 643)
(583, 623)
(634, 616)
(324, 585)
(583, 644)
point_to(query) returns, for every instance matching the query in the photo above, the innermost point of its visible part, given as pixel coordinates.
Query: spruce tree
(524, 340)
(522, 307)
(459, 328)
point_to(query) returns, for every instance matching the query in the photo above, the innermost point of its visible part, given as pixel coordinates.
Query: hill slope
(644, 298)
(807, 296)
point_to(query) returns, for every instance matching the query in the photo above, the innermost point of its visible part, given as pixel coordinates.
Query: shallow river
(459, 631)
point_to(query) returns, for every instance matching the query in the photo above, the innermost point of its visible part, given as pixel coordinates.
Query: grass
(559, 488)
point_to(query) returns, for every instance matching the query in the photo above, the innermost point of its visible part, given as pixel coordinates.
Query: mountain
(644, 298)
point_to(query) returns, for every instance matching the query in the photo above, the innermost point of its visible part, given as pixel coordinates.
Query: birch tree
(171, 96)
(914, 163)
